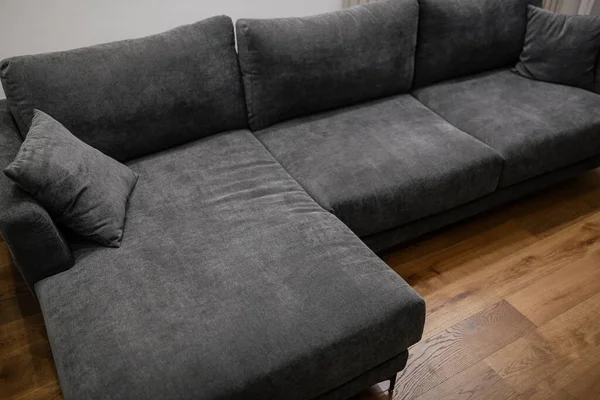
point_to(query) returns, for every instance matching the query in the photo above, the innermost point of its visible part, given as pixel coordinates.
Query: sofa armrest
(38, 248)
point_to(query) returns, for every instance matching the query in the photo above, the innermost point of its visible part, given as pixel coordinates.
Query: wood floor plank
(11, 283)
(442, 356)
(478, 382)
(491, 284)
(435, 270)
(591, 390)
(551, 214)
(23, 372)
(577, 380)
(556, 293)
(17, 335)
(447, 237)
(5, 257)
(527, 361)
(549, 348)
(48, 391)
(17, 307)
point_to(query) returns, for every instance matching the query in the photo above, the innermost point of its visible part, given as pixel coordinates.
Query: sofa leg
(392, 386)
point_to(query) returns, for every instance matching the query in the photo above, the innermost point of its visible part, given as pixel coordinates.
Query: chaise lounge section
(266, 180)
(231, 283)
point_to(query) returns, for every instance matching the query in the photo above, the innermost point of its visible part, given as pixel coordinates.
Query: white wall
(37, 26)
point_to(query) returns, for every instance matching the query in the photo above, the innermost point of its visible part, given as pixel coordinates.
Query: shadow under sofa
(241, 274)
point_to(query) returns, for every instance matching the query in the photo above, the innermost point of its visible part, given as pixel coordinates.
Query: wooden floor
(513, 301)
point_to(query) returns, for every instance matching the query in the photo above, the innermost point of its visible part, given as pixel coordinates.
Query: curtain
(552, 5)
(350, 3)
(586, 7)
(581, 7)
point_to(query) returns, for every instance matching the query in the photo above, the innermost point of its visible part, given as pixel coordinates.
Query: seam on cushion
(250, 94)
(595, 72)
(414, 49)
(467, 133)
(327, 209)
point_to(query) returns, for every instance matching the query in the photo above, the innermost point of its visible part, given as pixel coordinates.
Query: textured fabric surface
(408, 232)
(561, 48)
(232, 283)
(297, 66)
(385, 163)
(80, 187)
(137, 96)
(37, 246)
(462, 37)
(378, 374)
(535, 126)
(597, 76)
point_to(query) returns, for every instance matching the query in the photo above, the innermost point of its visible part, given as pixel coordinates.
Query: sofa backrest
(462, 37)
(298, 66)
(597, 76)
(135, 97)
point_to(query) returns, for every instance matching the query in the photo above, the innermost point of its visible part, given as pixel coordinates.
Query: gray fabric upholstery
(560, 48)
(385, 163)
(37, 246)
(297, 66)
(535, 126)
(138, 96)
(231, 283)
(80, 187)
(405, 233)
(462, 37)
(597, 76)
(378, 374)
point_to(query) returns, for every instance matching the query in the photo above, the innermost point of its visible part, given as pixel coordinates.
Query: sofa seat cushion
(383, 164)
(537, 127)
(231, 283)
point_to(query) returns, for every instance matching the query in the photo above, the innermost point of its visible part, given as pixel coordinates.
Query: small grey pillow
(560, 48)
(80, 187)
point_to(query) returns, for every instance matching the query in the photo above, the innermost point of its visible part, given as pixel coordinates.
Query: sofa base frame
(380, 242)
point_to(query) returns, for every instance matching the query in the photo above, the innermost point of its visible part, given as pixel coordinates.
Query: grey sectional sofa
(267, 177)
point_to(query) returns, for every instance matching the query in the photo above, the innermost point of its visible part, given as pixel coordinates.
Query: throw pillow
(560, 48)
(80, 187)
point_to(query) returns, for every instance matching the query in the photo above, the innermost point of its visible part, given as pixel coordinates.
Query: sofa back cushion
(462, 37)
(298, 66)
(597, 76)
(135, 97)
